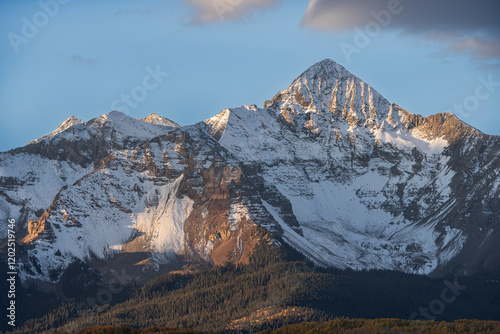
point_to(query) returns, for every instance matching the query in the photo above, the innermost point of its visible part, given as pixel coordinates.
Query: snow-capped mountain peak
(126, 126)
(68, 123)
(328, 89)
(328, 166)
(218, 123)
(160, 120)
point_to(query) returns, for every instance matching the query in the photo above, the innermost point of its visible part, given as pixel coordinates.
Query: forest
(278, 288)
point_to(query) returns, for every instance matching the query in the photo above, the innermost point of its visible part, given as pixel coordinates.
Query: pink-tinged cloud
(483, 48)
(205, 11)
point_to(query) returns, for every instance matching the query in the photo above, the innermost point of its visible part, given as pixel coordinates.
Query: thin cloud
(206, 11)
(481, 48)
(483, 52)
(76, 59)
(463, 26)
(146, 11)
(157, 10)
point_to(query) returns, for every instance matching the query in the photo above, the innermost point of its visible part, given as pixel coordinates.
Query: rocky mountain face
(328, 166)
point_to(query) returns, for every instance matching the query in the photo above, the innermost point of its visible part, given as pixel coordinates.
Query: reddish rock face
(230, 239)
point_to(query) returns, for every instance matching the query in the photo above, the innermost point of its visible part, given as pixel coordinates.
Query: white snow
(68, 123)
(130, 127)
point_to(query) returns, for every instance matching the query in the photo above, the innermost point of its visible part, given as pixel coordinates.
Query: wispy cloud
(462, 26)
(205, 11)
(145, 11)
(480, 48)
(76, 59)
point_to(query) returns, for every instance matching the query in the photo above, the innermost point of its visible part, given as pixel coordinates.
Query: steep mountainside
(371, 185)
(328, 166)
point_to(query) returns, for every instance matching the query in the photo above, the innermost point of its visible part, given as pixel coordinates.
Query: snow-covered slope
(33, 175)
(117, 185)
(356, 192)
(68, 123)
(328, 166)
(371, 185)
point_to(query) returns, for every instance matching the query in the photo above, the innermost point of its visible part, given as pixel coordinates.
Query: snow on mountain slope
(127, 127)
(104, 211)
(29, 184)
(32, 175)
(112, 126)
(328, 166)
(340, 192)
(145, 197)
(68, 123)
(370, 183)
(328, 87)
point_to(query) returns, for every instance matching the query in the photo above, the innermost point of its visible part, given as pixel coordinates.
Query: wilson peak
(328, 166)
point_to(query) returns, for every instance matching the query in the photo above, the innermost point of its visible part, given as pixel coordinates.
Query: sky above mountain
(189, 59)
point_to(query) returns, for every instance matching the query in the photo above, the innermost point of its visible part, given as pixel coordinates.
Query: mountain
(328, 166)
(160, 120)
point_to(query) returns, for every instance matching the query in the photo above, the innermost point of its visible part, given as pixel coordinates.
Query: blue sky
(85, 55)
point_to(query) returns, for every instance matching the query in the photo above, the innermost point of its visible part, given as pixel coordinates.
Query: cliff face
(328, 166)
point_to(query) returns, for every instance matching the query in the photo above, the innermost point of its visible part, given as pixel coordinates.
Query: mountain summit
(329, 87)
(328, 166)
(155, 119)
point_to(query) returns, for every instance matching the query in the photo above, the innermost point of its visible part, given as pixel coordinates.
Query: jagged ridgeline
(328, 167)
